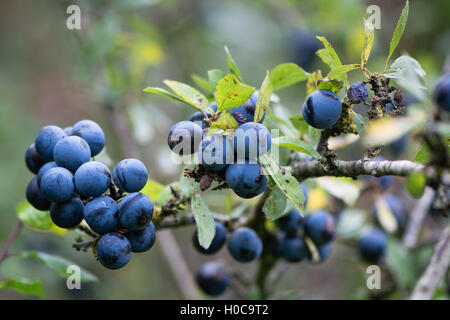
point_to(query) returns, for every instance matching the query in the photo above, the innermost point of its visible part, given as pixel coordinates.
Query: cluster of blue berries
(292, 243)
(233, 154)
(244, 245)
(74, 187)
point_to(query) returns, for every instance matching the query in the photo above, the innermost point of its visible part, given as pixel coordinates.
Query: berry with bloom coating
(67, 214)
(113, 250)
(217, 243)
(213, 279)
(57, 185)
(251, 140)
(92, 179)
(142, 240)
(184, 137)
(319, 226)
(71, 153)
(135, 211)
(246, 179)
(92, 133)
(322, 109)
(372, 245)
(130, 175)
(44, 169)
(34, 196)
(102, 214)
(442, 92)
(215, 152)
(33, 160)
(46, 140)
(357, 93)
(244, 245)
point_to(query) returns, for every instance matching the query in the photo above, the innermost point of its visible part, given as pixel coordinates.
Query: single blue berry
(44, 169)
(322, 109)
(34, 196)
(215, 152)
(102, 214)
(304, 46)
(130, 175)
(135, 211)
(68, 214)
(319, 226)
(251, 140)
(33, 160)
(291, 222)
(442, 93)
(92, 179)
(68, 131)
(246, 179)
(294, 249)
(92, 133)
(217, 243)
(372, 245)
(143, 240)
(57, 185)
(244, 245)
(71, 152)
(184, 137)
(213, 279)
(357, 93)
(113, 250)
(46, 140)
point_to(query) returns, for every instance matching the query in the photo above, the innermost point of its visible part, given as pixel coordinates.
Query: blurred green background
(52, 75)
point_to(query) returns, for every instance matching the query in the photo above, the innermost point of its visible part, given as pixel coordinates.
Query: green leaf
(23, 285)
(214, 76)
(341, 71)
(152, 189)
(409, 75)
(296, 145)
(33, 218)
(401, 263)
(165, 93)
(360, 121)
(231, 93)
(232, 67)
(225, 121)
(287, 74)
(263, 98)
(203, 83)
(415, 184)
(325, 57)
(299, 123)
(229, 202)
(313, 81)
(341, 188)
(206, 228)
(275, 204)
(331, 58)
(330, 84)
(190, 95)
(369, 33)
(57, 264)
(398, 32)
(423, 156)
(284, 180)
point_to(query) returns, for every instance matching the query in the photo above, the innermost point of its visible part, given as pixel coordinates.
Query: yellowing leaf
(231, 93)
(369, 33)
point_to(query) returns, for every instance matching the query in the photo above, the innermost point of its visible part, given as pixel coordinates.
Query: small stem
(11, 238)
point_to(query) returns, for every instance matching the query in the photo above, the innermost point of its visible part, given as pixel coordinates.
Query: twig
(416, 219)
(435, 270)
(11, 238)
